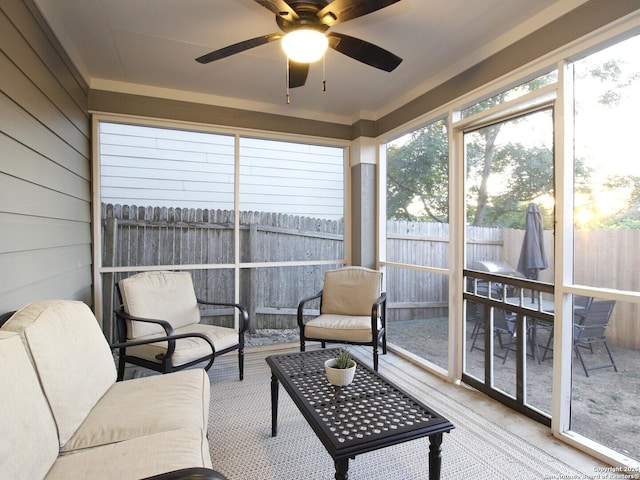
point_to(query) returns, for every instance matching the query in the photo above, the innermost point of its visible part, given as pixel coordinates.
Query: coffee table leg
(274, 405)
(435, 458)
(342, 469)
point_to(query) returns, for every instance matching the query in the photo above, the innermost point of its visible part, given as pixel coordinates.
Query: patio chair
(158, 304)
(581, 305)
(591, 330)
(352, 310)
(503, 324)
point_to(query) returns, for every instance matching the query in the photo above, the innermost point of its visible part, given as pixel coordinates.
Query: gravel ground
(270, 336)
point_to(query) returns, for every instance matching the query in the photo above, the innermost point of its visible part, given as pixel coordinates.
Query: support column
(364, 155)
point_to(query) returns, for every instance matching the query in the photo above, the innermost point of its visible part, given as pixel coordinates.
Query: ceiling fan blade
(364, 52)
(238, 48)
(297, 74)
(340, 11)
(280, 8)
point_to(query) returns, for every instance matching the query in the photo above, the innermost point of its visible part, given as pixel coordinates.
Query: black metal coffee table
(369, 414)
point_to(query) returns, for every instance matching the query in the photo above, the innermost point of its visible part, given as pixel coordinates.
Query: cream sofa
(65, 417)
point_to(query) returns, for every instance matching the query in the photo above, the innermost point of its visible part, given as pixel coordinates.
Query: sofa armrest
(196, 473)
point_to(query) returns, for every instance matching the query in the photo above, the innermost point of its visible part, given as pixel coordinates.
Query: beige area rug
(242, 447)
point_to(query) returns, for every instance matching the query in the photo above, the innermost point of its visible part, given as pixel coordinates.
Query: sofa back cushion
(71, 356)
(350, 291)
(29, 443)
(168, 296)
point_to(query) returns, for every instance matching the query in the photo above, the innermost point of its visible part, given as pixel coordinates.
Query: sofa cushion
(144, 406)
(71, 355)
(350, 291)
(27, 425)
(159, 295)
(188, 349)
(136, 458)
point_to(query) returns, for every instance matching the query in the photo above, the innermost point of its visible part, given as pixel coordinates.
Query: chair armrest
(379, 309)
(168, 329)
(302, 304)
(169, 338)
(6, 316)
(196, 473)
(244, 313)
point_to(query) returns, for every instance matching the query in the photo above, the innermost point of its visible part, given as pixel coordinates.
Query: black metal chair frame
(195, 473)
(164, 364)
(586, 334)
(379, 336)
(581, 301)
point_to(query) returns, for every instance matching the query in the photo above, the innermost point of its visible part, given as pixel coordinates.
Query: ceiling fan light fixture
(305, 45)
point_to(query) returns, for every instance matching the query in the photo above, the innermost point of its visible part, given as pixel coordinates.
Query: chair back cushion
(71, 356)
(350, 291)
(29, 443)
(165, 296)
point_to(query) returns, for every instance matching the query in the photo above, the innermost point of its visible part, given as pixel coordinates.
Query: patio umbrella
(532, 256)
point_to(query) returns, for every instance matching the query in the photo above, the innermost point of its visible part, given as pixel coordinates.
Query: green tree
(418, 175)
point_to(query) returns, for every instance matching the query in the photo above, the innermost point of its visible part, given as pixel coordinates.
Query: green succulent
(343, 359)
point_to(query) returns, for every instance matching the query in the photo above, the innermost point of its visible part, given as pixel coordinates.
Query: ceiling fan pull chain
(286, 80)
(324, 72)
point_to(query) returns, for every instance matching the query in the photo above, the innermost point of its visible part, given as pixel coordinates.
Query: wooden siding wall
(45, 169)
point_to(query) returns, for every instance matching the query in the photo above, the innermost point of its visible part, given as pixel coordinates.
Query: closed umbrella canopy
(532, 256)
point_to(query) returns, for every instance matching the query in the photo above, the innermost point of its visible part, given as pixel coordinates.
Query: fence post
(253, 277)
(110, 251)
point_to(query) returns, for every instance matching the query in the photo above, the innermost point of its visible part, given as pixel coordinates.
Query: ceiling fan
(314, 18)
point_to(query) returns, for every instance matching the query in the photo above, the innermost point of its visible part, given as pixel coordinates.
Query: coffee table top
(368, 414)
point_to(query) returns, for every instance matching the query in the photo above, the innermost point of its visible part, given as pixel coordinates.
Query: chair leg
(375, 358)
(547, 346)
(384, 342)
(241, 363)
(474, 334)
(576, 347)
(613, 363)
(121, 365)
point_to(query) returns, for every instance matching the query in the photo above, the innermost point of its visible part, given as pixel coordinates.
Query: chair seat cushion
(188, 349)
(136, 458)
(133, 409)
(340, 327)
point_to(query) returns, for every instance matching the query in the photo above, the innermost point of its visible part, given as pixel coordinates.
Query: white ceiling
(149, 46)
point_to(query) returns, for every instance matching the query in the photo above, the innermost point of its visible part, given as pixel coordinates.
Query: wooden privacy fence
(147, 236)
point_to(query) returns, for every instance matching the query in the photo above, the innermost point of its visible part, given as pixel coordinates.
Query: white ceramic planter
(339, 377)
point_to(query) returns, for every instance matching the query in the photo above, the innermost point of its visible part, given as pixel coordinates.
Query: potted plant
(341, 369)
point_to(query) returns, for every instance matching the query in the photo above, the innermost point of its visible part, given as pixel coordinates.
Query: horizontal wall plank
(38, 266)
(23, 233)
(25, 198)
(34, 33)
(70, 285)
(21, 162)
(17, 86)
(18, 124)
